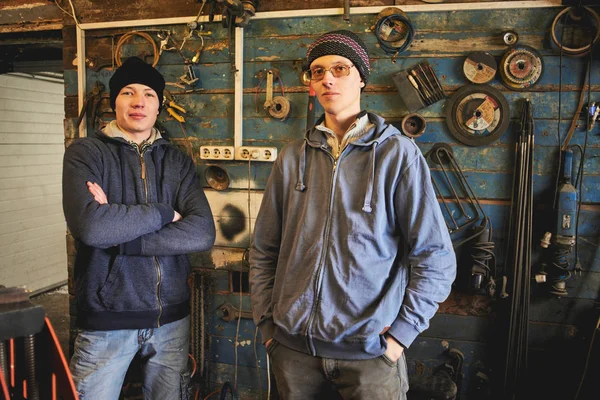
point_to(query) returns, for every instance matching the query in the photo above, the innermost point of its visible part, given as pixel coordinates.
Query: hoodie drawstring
(301, 167)
(370, 181)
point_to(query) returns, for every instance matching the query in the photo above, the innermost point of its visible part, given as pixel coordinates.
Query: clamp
(164, 42)
(94, 96)
(173, 108)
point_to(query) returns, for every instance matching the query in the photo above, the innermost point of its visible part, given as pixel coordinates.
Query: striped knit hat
(342, 43)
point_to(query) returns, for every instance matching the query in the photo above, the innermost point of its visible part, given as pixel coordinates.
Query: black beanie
(136, 70)
(342, 43)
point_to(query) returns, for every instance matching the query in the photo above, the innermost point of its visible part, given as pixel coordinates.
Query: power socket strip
(216, 153)
(256, 153)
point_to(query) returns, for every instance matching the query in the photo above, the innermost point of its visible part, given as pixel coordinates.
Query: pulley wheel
(480, 67)
(477, 115)
(521, 67)
(216, 177)
(413, 125)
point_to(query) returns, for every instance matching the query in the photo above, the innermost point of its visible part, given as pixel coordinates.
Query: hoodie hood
(374, 137)
(112, 130)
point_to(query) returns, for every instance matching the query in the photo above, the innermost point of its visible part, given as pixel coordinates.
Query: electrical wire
(268, 378)
(200, 12)
(387, 45)
(237, 337)
(587, 359)
(237, 331)
(72, 15)
(194, 365)
(559, 117)
(257, 364)
(212, 394)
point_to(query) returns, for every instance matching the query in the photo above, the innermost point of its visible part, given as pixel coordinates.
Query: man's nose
(328, 77)
(138, 100)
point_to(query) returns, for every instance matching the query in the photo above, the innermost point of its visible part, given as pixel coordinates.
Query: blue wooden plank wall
(560, 328)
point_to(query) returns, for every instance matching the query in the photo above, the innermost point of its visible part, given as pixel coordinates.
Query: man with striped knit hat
(351, 255)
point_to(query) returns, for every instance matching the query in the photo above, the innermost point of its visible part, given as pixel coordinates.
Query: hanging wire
(71, 14)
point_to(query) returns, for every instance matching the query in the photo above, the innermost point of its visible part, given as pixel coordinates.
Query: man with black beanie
(351, 255)
(135, 208)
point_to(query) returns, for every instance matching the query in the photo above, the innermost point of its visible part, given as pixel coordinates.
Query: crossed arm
(139, 229)
(100, 197)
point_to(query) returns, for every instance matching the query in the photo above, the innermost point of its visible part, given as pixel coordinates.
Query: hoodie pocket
(130, 285)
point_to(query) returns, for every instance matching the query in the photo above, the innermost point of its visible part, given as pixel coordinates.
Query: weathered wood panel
(469, 323)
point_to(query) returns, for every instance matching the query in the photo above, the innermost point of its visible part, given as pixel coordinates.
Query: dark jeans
(302, 376)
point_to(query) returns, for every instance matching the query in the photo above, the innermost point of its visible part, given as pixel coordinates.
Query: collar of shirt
(358, 129)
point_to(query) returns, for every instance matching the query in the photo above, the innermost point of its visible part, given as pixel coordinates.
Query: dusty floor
(56, 305)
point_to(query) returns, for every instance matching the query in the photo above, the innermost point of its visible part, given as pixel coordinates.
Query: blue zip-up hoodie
(131, 267)
(345, 251)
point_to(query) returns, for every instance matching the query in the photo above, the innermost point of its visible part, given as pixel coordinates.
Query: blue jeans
(101, 359)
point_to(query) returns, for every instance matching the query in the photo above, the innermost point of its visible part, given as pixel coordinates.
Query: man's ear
(362, 83)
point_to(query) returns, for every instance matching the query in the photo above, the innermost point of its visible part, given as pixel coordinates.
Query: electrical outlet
(216, 152)
(255, 153)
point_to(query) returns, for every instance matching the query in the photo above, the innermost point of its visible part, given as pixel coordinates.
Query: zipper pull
(334, 165)
(143, 167)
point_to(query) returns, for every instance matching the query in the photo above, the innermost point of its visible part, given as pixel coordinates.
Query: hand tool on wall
(557, 266)
(277, 107)
(93, 98)
(230, 313)
(172, 107)
(419, 86)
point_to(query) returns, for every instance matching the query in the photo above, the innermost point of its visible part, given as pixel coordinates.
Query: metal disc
(216, 177)
(521, 67)
(480, 67)
(477, 115)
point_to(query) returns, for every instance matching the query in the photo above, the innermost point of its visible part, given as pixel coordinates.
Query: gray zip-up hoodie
(346, 250)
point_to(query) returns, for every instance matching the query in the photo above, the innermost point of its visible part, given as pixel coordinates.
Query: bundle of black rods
(518, 256)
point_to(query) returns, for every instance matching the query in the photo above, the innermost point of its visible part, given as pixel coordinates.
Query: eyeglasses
(338, 70)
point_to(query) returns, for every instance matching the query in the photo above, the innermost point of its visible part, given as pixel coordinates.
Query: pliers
(173, 108)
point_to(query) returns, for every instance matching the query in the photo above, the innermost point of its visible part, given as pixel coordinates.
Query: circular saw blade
(477, 115)
(521, 67)
(480, 67)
